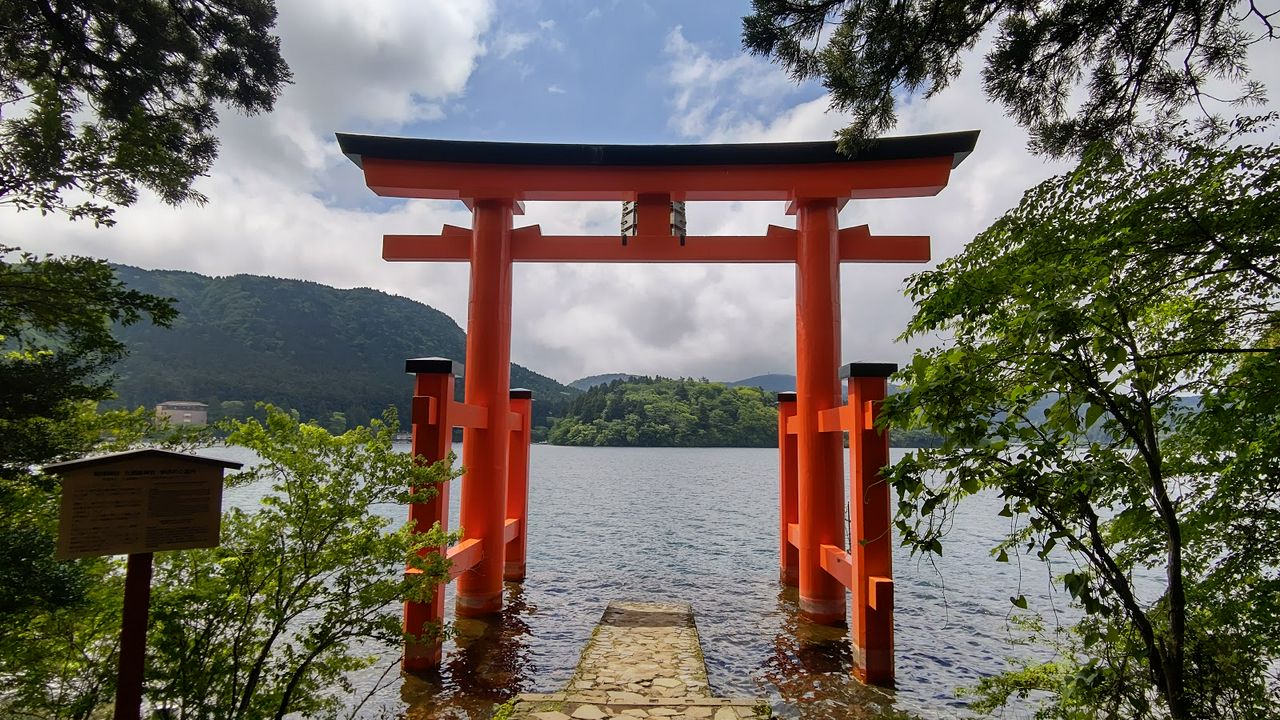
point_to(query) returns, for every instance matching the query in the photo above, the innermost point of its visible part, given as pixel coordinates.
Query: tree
(1132, 64)
(104, 98)
(304, 588)
(59, 621)
(1108, 296)
(56, 349)
(99, 99)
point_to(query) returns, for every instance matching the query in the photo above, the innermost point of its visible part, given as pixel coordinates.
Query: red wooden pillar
(788, 559)
(487, 382)
(518, 485)
(820, 474)
(432, 439)
(870, 538)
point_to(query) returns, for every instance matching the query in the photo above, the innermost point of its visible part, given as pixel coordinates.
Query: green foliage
(58, 660)
(912, 438)
(103, 98)
(1071, 72)
(1112, 292)
(660, 412)
(294, 344)
(303, 589)
(57, 621)
(1080, 690)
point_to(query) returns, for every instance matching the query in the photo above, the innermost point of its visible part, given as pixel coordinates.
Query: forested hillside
(295, 344)
(661, 412)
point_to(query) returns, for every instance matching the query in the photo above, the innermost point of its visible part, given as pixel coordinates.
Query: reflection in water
(809, 672)
(488, 663)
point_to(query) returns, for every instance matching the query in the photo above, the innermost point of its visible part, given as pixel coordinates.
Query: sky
(284, 201)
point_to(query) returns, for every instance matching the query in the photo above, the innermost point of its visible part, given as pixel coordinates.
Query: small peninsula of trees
(661, 412)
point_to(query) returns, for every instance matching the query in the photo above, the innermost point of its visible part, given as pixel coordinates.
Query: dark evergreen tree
(1132, 64)
(104, 97)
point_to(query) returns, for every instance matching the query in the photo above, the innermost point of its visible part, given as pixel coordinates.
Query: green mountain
(293, 343)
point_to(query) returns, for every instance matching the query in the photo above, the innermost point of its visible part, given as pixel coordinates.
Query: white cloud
(356, 68)
(509, 42)
(711, 94)
(556, 90)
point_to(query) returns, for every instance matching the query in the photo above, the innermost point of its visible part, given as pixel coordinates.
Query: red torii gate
(494, 179)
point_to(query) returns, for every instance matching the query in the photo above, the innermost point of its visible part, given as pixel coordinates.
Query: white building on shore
(183, 412)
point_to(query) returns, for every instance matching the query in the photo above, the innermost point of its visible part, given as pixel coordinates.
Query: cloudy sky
(283, 201)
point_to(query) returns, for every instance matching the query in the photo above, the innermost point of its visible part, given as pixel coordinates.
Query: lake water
(700, 525)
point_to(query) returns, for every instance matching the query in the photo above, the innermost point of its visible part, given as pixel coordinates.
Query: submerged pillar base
(474, 606)
(824, 611)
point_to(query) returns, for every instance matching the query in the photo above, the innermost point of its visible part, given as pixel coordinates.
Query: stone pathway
(643, 661)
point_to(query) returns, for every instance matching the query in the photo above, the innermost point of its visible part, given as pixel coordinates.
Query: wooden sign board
(139, 502)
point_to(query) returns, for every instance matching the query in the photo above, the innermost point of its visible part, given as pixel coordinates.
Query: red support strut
(518, 484)
(870, 535)
(788, 557)
(431, 439)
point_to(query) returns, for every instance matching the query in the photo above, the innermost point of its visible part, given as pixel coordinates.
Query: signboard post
(135, 503)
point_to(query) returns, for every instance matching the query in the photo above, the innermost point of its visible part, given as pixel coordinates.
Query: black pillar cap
(857, 370)
(432, 365)
(521, 394)
(787, 397)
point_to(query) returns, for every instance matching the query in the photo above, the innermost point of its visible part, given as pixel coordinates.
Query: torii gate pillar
(485, 451)
(820, 490)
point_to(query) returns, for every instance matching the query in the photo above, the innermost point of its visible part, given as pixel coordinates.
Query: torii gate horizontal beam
(467, 171)
(778, 245)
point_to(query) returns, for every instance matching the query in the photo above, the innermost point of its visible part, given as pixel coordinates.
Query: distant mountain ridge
(294, 343)
(590, 381)
(773, 382)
